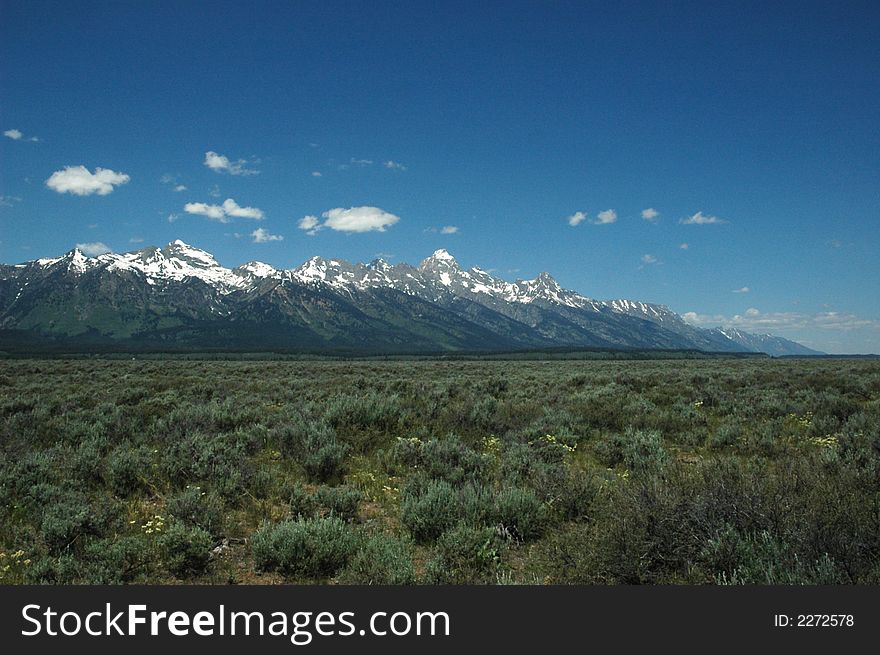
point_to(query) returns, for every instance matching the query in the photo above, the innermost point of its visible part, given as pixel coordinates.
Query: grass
(710, 471)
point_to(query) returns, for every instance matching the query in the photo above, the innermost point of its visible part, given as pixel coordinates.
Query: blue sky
(502, 120)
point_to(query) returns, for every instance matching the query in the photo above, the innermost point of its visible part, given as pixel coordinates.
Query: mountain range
(180, 298)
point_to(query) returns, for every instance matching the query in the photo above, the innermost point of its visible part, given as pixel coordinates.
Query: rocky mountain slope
(180, 297)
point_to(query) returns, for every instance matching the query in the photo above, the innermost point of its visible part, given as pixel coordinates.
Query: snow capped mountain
(387, 302)
(258, 270)
(762, 343)
(175, 262)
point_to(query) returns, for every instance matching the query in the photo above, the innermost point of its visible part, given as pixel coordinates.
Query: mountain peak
(440, 259)
(527, 313)
(77, 261)
(379, 264)
(193, 255)
(258, 269)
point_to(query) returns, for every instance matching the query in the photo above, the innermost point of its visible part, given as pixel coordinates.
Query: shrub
(197, 508)
(221, 459)
(321, 453)
(576, 497)
(64, 522)
(128, 469)
(737, 559)
(118, 561)
(477, 504)
(464, 555)
(314, 548)
(727, 434)
(430, 511)
(364, 421)
(444, 459)
(640, 451)
(300, 501)
(520, 515)
(342, 501)
(539, 464)
(186, 549)
(315, 445)
(382, 560)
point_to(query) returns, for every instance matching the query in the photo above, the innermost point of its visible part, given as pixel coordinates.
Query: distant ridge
(180, 297)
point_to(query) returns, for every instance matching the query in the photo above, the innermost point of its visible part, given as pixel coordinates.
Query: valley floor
(727, 471)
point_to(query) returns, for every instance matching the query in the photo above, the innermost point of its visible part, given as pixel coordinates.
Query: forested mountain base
(691, 471)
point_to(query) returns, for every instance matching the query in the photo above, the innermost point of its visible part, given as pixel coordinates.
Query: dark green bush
(197, 508)
(727, 434)
(477, 504)
(381, 560)
(737, 559)
(314, 548)
(186, 550)
(65, 522)
(129, 469)
(300, 501)
(342, 501)
(519, 513)
(577, 496)
(464, 555)
(640, 451)
(219, 460)
(120, 560)
(429, 511)
(322, 453)
(446, 459)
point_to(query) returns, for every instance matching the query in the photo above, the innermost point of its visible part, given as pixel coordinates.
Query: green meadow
(710, 471)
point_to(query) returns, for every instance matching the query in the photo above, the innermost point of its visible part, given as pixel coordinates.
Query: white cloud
(215, 192)
(684, 246)
(317, 174)
(751, 311)
(79, 181)
(224, 212)
(353, 219)
(171, 181)
(394, 165)
(173, 217)
(361, 162)
(233, 209)
(214, 212)
(449, 229)
(93, 249)
(309, 223)
(357, 219)
(16, 135)
(576, 219)
(262, 236)
(650, 214)
(741, 290)
(222, 164)
(136, 240)
(606, 217)
(701, 219)
(8, 201)
(649, 259)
